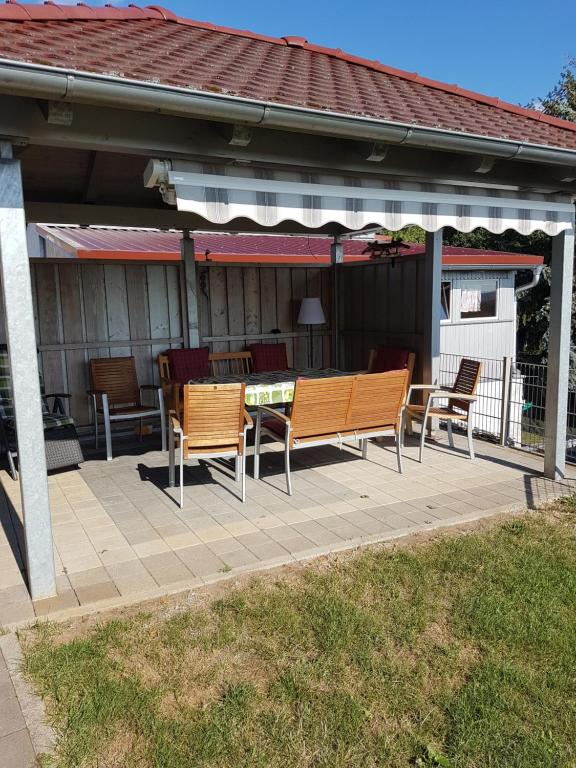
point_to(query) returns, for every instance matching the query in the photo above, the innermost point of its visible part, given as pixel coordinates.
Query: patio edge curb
(42, 735)
(190, 585)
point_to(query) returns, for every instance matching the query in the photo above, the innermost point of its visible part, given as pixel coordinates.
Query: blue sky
(514, 49)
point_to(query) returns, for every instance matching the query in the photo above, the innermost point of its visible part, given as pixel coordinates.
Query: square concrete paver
(16, 750)
(166, 568)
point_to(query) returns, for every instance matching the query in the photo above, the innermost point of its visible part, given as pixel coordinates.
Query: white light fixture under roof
(311, 313)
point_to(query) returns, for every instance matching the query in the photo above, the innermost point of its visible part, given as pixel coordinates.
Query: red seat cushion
(186, 364)
(390, 359)
(268, 357)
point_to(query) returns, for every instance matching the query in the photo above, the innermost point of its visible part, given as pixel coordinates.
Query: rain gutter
(19, 78)
(536, 273)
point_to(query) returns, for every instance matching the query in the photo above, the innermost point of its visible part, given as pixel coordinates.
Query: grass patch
(459, 652)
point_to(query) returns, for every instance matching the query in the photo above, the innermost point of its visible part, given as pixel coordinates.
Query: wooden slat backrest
(170, 388)
(213, 415)
(117, 377)
(466, 382)
(377, 399)
(230, 363)
(320, 406)
(348, 403)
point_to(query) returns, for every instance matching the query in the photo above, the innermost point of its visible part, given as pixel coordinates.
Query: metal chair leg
(287, 466)
(171, 460)
(243, 466)
(162, 418)
(450, 436)
(364, 449)
(181, 473)
(13, 472)
(257, 446)
(238, 468)
(399, 451)
(107, 428)
(470, 445)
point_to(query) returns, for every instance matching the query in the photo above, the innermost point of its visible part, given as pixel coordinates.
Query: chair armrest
(455, 396)
(175, 424)
(424, 386)
(66, 395)
(95, 392)
(248, 420)
(273, 412)
(150, 387)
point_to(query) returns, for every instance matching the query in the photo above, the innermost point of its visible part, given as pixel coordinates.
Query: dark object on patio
(461, 398)
(269, 357)
(214, 425)
(60, 437)
(117, 395)
(334, 411)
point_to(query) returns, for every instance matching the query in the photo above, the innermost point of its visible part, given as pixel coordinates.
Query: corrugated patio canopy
(270, 197)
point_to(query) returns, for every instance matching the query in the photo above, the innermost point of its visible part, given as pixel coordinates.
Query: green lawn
(459, 652)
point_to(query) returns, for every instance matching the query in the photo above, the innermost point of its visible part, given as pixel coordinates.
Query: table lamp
(311, 313)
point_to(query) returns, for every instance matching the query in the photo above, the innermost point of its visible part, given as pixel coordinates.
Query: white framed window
(478, 299)
(445, 300)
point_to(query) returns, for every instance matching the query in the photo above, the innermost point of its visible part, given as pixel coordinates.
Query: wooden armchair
(461, 398)
(214, 424)
(117, 396)
(334, 411)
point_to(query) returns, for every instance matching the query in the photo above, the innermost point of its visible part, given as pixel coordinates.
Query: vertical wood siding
(379, 304)
(86, 310)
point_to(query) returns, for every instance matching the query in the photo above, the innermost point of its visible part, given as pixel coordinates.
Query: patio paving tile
(167, 568)
(131, 577)
(59, 602)
(201, 560)
(16, 750)
(92, 593)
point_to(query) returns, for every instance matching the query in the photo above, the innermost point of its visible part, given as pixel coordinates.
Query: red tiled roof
(154, 245)
(153, 45)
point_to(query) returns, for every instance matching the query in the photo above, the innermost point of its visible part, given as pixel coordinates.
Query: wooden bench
(335, 411)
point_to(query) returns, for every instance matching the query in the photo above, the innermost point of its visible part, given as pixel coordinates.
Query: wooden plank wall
(380, 303)
(241, 305)
(85, 310)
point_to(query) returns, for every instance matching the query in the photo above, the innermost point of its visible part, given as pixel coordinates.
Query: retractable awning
(269, 197)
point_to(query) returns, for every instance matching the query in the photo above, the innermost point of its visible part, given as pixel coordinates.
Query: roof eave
(42, 81)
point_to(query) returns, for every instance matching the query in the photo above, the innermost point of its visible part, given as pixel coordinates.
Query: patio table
(271, 387)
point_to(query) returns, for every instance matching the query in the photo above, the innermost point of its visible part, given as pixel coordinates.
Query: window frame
(471, 283)
(449, 282)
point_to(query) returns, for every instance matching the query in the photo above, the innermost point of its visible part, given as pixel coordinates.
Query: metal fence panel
(514, 411)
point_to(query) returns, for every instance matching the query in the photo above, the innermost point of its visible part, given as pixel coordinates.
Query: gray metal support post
(187, 253)
(558, 355)
(431, 306)
(337, 258)
(21, 336)
(505, 401)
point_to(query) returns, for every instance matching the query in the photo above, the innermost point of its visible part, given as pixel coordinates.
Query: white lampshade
(311, 312)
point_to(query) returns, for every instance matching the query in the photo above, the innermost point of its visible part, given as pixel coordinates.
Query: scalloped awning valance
(222, 194)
